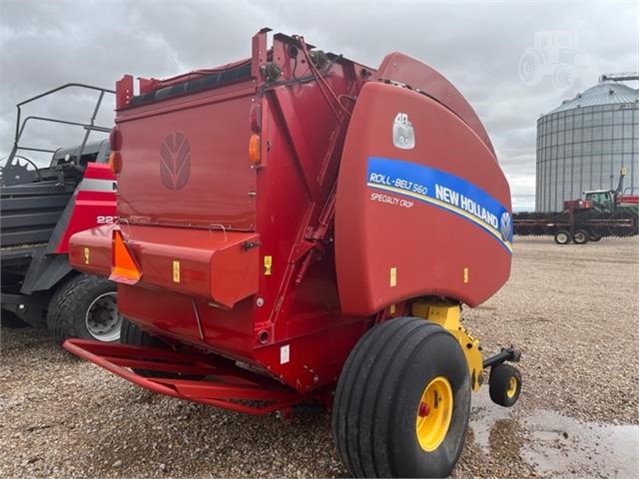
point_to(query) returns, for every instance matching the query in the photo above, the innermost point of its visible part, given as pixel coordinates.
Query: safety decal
(176, 271)
(441, 189)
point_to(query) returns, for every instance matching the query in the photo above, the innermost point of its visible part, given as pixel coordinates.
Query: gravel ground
(571, 310)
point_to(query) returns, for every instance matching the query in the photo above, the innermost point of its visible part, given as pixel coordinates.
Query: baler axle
(506, 354)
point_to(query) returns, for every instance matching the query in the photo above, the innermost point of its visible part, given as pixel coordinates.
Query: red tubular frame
(224, 384)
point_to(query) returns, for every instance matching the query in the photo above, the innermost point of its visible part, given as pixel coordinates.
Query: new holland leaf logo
(175, 163)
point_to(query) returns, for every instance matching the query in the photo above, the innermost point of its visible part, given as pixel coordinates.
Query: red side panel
(409, 71)
(422, 206)
(218, 265)
(185, 161)
(90, 250)
(94, 203)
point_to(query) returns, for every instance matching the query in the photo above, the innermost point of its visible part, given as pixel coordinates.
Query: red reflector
(115, 139)
(125, 269)
(255, 118)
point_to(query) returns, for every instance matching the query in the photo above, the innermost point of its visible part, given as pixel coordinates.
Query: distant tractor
(598, 214)
(41, 208)
(555, 54)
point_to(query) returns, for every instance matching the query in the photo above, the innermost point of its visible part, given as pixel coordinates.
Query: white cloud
(476, 45)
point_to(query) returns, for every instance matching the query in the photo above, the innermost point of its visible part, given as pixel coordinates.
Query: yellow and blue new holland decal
(443, 190)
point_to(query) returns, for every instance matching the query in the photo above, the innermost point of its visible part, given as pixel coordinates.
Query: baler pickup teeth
(222, 385)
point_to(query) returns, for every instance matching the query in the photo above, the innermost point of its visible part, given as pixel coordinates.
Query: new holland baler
(299, 228)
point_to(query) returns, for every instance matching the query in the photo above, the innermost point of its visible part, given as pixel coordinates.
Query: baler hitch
(506, 354)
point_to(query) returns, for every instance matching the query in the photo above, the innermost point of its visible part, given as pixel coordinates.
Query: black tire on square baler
(66, 314)
(132, 334)
(378, 394)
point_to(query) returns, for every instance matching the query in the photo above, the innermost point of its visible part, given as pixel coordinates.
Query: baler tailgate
(224, 384)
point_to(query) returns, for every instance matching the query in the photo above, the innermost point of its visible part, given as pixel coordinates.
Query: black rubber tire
(594, 238)
(562, 237)
(580, 237)
(132, 334)
(378, 394)
(499, 383)
(66, 315)
(10, 320)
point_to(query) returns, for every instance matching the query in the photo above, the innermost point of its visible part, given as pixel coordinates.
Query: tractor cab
(601, 200)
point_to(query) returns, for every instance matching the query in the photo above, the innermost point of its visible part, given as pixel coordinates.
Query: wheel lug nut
(424, 409)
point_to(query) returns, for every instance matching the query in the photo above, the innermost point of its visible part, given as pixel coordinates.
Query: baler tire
(504, 385)
(70, 304)
(580, 237)
(133, 335)
(562, 237)
(380, 394)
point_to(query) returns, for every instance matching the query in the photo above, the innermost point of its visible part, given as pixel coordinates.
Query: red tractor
(41, 208)
(599, 214)
(299, 228)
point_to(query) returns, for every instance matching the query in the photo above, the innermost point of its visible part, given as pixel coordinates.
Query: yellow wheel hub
(434, 413)
(512, 387)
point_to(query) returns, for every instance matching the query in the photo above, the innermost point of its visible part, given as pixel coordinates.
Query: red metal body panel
(94, 203)
(391, 245)
(259, 277)
(213, 189)
(629, 200)
(419, 76)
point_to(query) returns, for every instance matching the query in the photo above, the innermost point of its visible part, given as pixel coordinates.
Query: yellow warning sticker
(87, 255)
(465, 275)
(392, 309)
(268, 265)
(393, 277)
(176, 271)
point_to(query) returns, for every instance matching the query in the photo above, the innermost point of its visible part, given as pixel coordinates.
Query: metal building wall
(584, 149)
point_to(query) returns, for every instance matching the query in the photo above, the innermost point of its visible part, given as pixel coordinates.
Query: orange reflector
(115, 162)
(125, 269)
(254, 150)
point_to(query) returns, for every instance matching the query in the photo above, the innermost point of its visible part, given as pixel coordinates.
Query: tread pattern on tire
(498, 384)
(62, 307)
(374, 366)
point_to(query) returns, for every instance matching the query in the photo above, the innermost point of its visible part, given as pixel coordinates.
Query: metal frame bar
(225, 386)
(89, 127)
(506, 354)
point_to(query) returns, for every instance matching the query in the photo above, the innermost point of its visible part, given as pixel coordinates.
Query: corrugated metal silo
(583, 144)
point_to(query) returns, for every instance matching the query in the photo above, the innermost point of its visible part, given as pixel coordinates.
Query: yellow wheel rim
(434, 412)
(512, 387)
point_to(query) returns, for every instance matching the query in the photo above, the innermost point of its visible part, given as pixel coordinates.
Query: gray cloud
(476, 45)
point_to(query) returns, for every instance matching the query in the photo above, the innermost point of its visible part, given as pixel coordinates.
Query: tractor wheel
(504, 385)
(562, 237)
(84, 307)
(402, 402)
(131, 334)
(580, 237)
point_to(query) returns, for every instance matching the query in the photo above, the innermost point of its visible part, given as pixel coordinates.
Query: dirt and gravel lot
(572, 311)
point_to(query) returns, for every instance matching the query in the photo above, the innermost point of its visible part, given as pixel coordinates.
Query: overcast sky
(477, 45)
